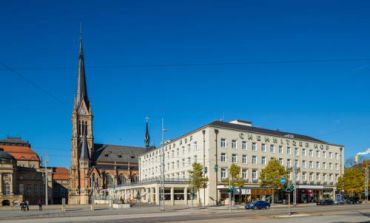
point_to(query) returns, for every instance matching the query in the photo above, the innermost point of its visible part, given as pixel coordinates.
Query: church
(96, 166)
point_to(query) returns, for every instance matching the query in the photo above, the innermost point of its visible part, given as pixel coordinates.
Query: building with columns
(96, 167)
(315, 165)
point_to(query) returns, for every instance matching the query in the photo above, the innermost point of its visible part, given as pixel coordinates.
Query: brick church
(96, 166)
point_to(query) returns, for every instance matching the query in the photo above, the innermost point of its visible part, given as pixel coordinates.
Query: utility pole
(216, 165)
(204, 165)
(46, 178)
(162, 197)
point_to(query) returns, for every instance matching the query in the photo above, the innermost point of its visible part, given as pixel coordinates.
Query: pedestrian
(22, 205)
(40, 205)
(27, 205)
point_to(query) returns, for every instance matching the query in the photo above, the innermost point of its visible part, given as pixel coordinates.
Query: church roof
(119, 154)
(60, 173)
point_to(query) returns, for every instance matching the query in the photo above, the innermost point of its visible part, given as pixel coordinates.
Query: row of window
(171, 153)
(185, 162)
(305, 152)
(311, 164)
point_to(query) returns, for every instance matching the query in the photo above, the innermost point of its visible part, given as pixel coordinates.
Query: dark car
(353, 200)
(326, 202)
(258, 205)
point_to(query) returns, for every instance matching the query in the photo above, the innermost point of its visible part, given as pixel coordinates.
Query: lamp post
(204, 165)
(162, 168)
(216, 165)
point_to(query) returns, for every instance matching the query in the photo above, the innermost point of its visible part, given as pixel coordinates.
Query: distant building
(96, 167)
(28, 178)
(60, 184)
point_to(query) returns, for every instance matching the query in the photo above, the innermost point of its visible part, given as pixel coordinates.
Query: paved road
(333, 214)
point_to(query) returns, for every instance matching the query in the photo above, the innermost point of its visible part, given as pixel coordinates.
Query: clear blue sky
(297, 66)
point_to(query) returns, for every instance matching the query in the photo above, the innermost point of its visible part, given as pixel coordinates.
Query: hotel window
(288, 163)
(178, 152)
(189, 148)
(303, 152)
(337, 156)
(296, 165)
(254, 159)
(178, 164)
(311, 177)
(311, 153)
(304, 176)
(234, 158)
(317, 153)
(281, 161)
(263, 160)
(254, 147)
(280, 149)
(244, 159)
(324, 154)
(336, 166)
(288, 150)
(254, 175)
(263, 148)
(310, 165)
(324, 165)
(183, 162)
(317, 176)
(189, 161)
(304, 164)
(296, 152)
(195, 159)
(223, 173)
(234, 144)
(317, 165)
(195, 146)
(223, 143)
(272, 148)
(173, 165)
(325, 177)
(331, 177)
(297, 177)
(173, 153)
(245, 174)
(244, 145)
(223, 157)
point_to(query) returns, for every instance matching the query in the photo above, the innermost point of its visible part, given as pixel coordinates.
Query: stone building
(95, 166)
(60, 184)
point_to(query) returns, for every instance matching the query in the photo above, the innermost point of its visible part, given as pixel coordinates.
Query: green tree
(197, 179)
(353, 181)
(235, 180)
(270, 176)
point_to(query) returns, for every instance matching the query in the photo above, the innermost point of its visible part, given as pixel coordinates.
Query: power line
(344, 60)
(32, 83)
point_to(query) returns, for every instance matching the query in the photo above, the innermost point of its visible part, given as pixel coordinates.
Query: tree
(353, 181)
(270, 176)
(197, 179)
(235, 180)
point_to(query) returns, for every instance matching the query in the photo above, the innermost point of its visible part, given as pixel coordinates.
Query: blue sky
(299, 66)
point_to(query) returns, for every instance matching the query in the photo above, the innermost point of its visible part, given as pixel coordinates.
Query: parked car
(339, 201)
(257, 205)
(353, 200)
(325, 202)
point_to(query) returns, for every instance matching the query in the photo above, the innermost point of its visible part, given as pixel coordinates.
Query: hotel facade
(315, 165)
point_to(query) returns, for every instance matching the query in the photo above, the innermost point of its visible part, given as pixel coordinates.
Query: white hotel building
(219, 144)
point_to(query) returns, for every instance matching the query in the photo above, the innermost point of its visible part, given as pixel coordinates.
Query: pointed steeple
(81, 79)
(147, 136)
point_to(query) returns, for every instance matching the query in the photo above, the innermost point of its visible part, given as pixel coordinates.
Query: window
(296, 152)
(331, 155)
(336, 156)
(234, 158)
(281, 161)
(178, 164)
(324, 154)
(234, 144)
(296, 165)
(303, 152)
(223, 173)
(325, 177)
(223, 143)
(304, 176)
(263, 160)
(195, 146)
(195, 158)
(280, 149)
(324, 165)
(318, 165)
(244, 159)
(288, 163)
(254, 147)
(317, 153)
(311, 153)
(317, 176)
(183, 162)
(288, 150)
(311, 176)
(223, 157)
(189, 161)
(336, 166)
(263, 148)
(272, 148)
(254, 159)
(244, 174)
(244, 145)
(178, 152)
(304, 164)
(254, 176)
(310, 165)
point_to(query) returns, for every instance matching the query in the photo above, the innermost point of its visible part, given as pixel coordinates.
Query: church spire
(147, 136)
(81, 79)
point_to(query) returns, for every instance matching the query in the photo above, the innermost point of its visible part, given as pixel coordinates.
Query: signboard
(282, 180)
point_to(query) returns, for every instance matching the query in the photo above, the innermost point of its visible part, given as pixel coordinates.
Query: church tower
(82, 138)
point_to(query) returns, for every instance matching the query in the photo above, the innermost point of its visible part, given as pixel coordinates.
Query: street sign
(282, 180)
(289, 188)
